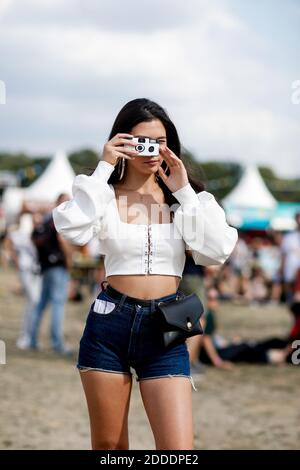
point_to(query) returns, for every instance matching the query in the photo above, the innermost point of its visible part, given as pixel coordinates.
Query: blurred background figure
(24, 256)
(240, 257)
(271, 264)
(227, 283)
(212, 343)
(55, 257)
(193, 282)
(291, 258)
(223, 353)
(258, 286)
(283, 352)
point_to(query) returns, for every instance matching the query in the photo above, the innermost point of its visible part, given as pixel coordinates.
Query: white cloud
(5, 5)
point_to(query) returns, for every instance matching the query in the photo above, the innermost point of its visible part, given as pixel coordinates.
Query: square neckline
(134, 225)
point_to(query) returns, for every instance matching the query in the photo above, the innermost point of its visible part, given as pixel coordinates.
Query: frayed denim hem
(170, 376)
(86, 369)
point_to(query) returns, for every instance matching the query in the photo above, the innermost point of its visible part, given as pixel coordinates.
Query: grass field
(43, 406)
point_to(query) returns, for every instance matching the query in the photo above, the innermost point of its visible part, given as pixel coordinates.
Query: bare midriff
(145, 286)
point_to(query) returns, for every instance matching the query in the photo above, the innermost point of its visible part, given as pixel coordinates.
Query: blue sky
(222, 69)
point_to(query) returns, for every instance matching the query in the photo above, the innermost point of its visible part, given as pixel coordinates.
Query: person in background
(282, 353)
(275, 266)
(94, 248)
(240, 258)
(244, 290)
(55, 257)
(290, 249)
(256, 245)
(259, 293)
(193, 282)
(218, 351)
(211, 342)
(227, 283)
(25, 258)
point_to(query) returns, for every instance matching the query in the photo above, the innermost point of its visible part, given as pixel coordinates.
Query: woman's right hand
(113, 149)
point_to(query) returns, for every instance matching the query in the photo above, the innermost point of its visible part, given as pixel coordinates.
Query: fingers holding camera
(116, 139)
(162, 174)
(115, 149)
(121, 141)
(178, 174)
(170, 157)
(115, 153)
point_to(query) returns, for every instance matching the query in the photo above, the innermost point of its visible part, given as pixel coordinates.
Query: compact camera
(145, 146)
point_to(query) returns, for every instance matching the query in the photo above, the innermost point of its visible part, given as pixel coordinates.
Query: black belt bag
(180, 318)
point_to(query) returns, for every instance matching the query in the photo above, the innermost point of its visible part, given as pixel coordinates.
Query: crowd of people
(262, 269)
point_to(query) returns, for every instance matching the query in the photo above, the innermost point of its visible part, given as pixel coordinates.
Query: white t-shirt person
(290, 249)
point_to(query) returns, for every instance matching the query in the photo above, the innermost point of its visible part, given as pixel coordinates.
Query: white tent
(250, 192)
(57, 178)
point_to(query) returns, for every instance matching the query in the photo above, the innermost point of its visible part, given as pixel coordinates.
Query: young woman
(127, 202)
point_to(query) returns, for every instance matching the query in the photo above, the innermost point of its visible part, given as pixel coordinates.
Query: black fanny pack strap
(180, 294)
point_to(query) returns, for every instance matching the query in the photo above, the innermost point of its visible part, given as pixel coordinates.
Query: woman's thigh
(108, 399)
(168, 404)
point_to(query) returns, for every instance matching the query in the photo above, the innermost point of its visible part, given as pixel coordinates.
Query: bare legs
(108, 398)
(167, 401)
(168, 404)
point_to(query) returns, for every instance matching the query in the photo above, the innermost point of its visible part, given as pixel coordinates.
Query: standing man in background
(55, 258)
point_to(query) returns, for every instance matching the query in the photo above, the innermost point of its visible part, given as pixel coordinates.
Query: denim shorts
(122, 335)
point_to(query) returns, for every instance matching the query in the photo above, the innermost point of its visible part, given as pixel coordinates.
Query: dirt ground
(43, 406)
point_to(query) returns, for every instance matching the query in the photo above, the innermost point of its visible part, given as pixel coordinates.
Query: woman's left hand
(178, 174)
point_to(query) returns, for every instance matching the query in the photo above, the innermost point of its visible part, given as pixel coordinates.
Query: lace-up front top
(199, 224)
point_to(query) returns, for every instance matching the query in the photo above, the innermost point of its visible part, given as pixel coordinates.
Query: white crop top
(199, 224)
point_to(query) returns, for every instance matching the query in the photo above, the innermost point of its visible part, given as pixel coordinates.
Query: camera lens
(151, 148)
(141, 139)
(140, 148)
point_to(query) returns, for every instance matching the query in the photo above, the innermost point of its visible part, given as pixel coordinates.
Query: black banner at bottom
(138, 458)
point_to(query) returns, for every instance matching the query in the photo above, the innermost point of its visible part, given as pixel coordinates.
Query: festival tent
(57, 178)
(283, 217)
(250, 205)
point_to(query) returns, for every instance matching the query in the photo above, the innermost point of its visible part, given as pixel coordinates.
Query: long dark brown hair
(141, 110)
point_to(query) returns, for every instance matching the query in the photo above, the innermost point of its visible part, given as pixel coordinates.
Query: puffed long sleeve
(202, 223)
(79, 219)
